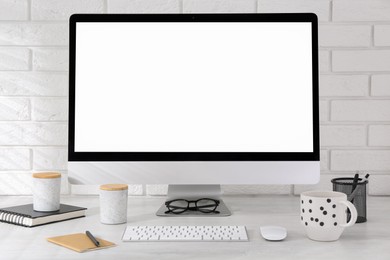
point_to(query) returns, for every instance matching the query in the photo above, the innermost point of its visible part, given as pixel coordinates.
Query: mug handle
(353, 211)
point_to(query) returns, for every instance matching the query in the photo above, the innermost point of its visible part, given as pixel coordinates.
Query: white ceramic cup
(46, 191)
(324, 214)
(113, 203)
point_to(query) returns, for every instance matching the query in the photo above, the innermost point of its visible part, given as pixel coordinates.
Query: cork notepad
(79, 242)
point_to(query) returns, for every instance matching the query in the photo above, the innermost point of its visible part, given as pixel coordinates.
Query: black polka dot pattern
(309, 214)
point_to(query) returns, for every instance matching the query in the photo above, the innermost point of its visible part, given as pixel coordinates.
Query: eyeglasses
(204, 205)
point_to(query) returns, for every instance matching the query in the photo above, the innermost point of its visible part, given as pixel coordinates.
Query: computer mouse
(273, 233)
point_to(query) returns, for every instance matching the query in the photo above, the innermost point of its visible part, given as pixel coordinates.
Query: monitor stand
(194, 192)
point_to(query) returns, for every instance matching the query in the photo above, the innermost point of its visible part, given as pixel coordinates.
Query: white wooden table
(369, 240)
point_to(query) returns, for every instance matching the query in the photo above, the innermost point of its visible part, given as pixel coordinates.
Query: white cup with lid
(46, 191)
(113, 203)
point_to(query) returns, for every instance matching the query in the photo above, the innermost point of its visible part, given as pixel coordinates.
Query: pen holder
(357, 196)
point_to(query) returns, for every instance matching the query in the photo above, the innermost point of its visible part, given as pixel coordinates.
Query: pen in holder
(356, 190)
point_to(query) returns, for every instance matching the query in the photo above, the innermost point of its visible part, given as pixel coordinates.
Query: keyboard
(185, 233)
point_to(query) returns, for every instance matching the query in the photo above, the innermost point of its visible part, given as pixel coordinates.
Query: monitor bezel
(193, 156)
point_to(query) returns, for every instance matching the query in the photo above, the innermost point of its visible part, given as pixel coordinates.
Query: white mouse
(273, 233)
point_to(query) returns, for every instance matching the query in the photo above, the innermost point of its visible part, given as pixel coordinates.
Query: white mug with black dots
(324, 214)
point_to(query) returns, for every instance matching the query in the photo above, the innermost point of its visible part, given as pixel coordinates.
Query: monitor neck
(177, 191)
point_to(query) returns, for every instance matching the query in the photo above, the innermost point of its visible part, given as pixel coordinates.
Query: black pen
(93, 239)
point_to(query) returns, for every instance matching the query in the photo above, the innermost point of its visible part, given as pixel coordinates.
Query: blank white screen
(193, 87)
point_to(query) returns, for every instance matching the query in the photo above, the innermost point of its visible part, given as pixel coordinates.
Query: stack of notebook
(24, 215)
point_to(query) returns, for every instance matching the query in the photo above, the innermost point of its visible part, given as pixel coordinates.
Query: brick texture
(50, 158)
(50, 59)
(379, 185)
(30, 34)
(143, 6)
(382, 35)
(14, 10)
(360, 110)
(354, 61)
(379, 135)
(14, 109)
(361, 10)
(219, 6)
(61, 10)
(14, 58)
(15, 183)
(344, 85)
(33, 133)
(344, 35)
(33, 84)
(324, 61)
(342, 135)
(367, 60)
(319, 7)
(324, 110)
(14, 159)
(49, 109)
(380, 85)
(368, 160)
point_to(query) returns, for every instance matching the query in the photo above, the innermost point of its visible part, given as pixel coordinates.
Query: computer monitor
(193, 99)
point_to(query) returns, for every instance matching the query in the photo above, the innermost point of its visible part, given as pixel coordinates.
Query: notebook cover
(79, 242)
(28, 211)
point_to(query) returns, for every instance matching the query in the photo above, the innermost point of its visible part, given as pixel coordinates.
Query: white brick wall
(344, 35)
(344, 85)
(360, 110)
(50, 59)
(144, 6)
(33, 34)
(380, 85)
(14, 58)
(361, 10)
(33, 84)
(361, 60)
(14, 109)
(53, 10)
(15, 10)
(382, 35)
(354, 38)
(320, 7)
(49, 109)
(379, 135)
(219, 6)
(343, 135)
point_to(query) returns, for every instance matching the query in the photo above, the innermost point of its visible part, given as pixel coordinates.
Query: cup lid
(46, 175)
(112, 187)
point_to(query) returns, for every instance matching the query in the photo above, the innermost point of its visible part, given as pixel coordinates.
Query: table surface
(370, 240)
